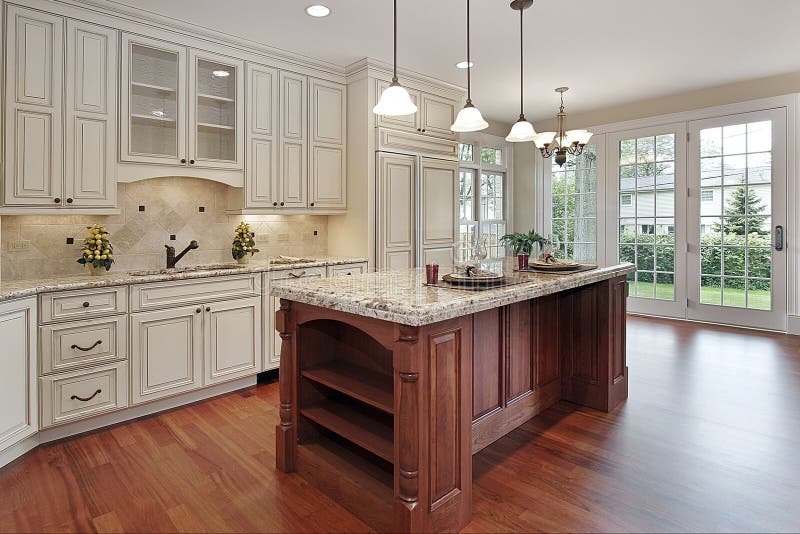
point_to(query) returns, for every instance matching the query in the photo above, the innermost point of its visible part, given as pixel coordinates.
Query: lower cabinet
(170, 348)
(19, 413)
(67, 397)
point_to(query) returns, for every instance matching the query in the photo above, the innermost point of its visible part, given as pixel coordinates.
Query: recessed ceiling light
(464, 64)
(220, 73)
(318, 10)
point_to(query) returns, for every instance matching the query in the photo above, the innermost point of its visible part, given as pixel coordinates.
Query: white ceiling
(607, 51)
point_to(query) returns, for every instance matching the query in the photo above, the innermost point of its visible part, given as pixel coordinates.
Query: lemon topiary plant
(243, 243)
(97, 253)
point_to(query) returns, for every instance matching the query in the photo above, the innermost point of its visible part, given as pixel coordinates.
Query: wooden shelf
(151, 118)
(215, 98)
(214, 126)
(153, 87)
(370, 387)
(354, 426)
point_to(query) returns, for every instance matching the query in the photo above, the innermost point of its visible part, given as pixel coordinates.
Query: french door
(736, 264)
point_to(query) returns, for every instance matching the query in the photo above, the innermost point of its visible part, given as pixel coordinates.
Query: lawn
(759, 299)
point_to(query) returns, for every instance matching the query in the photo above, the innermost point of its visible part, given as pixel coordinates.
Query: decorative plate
(560, 266)
(462, 278)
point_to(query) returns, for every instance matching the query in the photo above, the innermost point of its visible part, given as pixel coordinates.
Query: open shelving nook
(346, 412)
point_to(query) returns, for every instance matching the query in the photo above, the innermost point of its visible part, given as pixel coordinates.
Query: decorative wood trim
(286, 431)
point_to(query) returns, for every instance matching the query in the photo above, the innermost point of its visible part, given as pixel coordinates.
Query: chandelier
(562, 143)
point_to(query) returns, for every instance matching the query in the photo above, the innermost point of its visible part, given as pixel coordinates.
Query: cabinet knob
(274, 203)
(57, 200)
(191, 162)
(183, 160)
(312, 204)
(69, 201)
(423, 129)
(419, 129)
(85, 304)
(208, 308)
(281, 203)
(198, 310)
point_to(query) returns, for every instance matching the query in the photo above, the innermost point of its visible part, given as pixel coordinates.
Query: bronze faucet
(172, 259)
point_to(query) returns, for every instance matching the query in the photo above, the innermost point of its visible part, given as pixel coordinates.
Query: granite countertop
(402, 297)
(13, 289)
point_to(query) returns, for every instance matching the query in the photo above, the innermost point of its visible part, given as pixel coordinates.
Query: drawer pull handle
(297, 275)
(85, 304)
(87, 349)
(87, 399)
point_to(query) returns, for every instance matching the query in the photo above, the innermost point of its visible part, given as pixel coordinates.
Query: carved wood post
(407, 405)
(286, 431)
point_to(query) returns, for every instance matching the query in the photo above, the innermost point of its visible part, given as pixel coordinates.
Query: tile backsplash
(171, 206)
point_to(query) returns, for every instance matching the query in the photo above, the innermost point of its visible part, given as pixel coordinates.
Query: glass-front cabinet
(174, 114)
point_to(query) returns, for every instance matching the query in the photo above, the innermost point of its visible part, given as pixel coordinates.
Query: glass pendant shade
(580, 136)
(521, 132)
(543, 139)
(395, 101)
(469, 119)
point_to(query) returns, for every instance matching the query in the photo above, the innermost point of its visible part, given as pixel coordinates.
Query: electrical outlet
(19, 244)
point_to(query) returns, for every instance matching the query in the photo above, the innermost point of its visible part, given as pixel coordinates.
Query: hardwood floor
(709, 440)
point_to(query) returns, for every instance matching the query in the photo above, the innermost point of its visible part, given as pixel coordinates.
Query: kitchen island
(389, 386)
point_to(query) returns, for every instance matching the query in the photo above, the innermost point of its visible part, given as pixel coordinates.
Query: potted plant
(243, 243)
(97, 250)
(522, 244)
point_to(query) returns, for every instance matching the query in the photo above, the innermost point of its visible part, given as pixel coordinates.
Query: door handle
(779, 237)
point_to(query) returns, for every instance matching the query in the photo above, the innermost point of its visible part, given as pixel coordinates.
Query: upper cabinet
(60, 125)
(434, 114)
(177, 118)
(327, 155)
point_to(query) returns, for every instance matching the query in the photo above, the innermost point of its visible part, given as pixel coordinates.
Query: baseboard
(793, 325)
(73, 429)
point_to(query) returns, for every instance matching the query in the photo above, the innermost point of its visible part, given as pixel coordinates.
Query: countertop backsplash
(171, 207)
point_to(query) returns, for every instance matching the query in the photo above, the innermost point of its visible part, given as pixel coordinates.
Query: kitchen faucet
(172, 259)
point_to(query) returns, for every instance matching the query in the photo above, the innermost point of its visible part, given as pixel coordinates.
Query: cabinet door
(272, 353)
(154, 104)
(294, 137)
(233, 339)
(328, 161)
(19, 416)
(34, 107)
(216, 111)
(261, 175)
(438, 210)
(91, 117)
(438, 114)
(396, 211)
(166, 352)
(410, 123)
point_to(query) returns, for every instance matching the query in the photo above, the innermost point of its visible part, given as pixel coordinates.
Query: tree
(743, 201)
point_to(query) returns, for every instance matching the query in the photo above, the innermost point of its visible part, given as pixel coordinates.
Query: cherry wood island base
(385, 417)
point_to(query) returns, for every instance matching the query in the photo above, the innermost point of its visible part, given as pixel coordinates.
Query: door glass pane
(216, 111)
(574, 205)
(735, 222)
(647, 213)
(153, 101)
(466, 203)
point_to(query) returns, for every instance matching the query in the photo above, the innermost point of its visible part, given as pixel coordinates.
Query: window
(626, 200)
(707, 195)
(467, 221)
(574, 210)
(465, 151)
(492, 218)
(492, 155)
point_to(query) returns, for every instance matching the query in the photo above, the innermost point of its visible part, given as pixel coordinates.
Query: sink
(188, 269)
(288, 260)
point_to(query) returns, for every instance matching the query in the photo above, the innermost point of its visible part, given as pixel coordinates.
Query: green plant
(97, 249)
(522, 242)
(243, 242)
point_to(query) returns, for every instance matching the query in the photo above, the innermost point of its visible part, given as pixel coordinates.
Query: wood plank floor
(709, 440)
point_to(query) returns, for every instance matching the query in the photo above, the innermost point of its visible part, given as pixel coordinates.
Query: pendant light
(522, 130)
(395, 100)
(561, 143)
(469, 119)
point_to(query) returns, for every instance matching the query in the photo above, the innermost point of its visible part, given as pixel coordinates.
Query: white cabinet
(293, 141)
(262, 186)
(166, 352)
(34, 85)
(90, 141)
(346, 269)
(403, 122)
(68, 397)
(438, 232)
(19, 413)
(233, 339)
(434, 116)
(174, 118)
(272, 340)
(396, 211)
(327, 153)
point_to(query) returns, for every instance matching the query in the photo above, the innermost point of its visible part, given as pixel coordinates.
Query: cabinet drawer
(67, 397)
(348, 269)
(300, 272)
(73, 345)
(82, 304)
(168, 294)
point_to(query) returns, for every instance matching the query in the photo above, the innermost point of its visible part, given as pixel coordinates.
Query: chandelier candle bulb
(562, 143)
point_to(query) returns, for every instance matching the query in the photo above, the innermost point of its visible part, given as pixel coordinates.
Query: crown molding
(380, 69)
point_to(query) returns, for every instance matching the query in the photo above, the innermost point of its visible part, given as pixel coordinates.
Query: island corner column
(286, 430)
